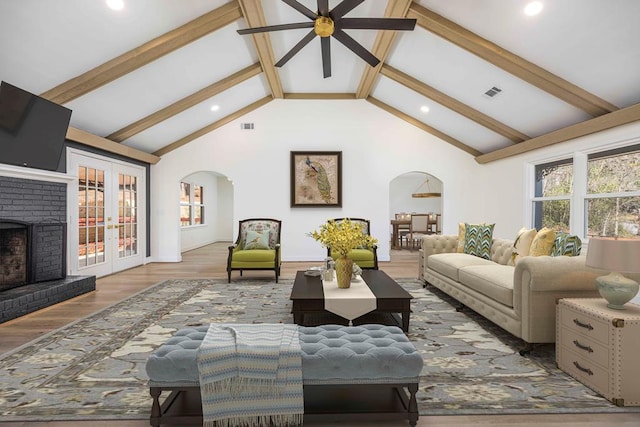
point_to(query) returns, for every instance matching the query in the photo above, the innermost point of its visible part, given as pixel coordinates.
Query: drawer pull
(583, 325)
(582, 347)
(585, 370)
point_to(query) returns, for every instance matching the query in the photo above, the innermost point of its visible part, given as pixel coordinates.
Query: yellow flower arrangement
(344, 236)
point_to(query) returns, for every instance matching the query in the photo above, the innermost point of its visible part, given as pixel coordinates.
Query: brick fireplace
(33, 251)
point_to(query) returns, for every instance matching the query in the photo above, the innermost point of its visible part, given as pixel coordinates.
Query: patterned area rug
(94, 368)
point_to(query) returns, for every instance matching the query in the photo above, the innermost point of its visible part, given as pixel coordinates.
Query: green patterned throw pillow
(257, 240)
(478, 239)
(566, 244)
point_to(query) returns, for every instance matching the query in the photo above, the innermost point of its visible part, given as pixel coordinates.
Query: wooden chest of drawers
(600, 347)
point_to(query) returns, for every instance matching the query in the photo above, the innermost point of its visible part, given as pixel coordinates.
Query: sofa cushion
(495, 281)
(461, 233)
(478, 239)
(448, 264)
(501, 251)
(253, 258)
(522, 244)
(543, 242)
(566, 244)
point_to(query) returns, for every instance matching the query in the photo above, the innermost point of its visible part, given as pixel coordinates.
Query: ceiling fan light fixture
(324, 26)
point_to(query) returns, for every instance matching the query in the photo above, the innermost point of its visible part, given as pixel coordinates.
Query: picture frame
(316, 179)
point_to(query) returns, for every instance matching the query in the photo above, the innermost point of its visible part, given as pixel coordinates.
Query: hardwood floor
(210, 262)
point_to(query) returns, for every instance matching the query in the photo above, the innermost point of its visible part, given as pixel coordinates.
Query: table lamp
(618, 256)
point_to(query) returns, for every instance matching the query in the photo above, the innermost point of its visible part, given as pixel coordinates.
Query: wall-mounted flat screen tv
(32, 129)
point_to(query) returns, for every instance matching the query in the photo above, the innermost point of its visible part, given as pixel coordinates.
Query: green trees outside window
(605, 198)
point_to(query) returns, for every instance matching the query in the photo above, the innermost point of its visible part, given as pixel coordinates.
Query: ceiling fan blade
(325, 43)
(302, 43)
(343, 8)
(302, 9)
(403, 24)
(276, 28)
(323, 7)
(356, 47)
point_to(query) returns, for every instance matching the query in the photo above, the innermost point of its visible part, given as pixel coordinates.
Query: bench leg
(413, 405)
(156, 413)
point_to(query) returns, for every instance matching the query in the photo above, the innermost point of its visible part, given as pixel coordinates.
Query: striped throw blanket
(251, 375)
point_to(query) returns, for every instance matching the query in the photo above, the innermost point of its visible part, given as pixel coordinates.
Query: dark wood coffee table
(392, 299)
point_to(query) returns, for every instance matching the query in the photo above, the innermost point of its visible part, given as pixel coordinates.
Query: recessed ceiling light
(215, 107)
(115, 4)
(424, 109)
(533, 8)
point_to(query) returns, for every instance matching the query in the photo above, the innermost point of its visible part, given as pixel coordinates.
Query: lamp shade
(619, 255)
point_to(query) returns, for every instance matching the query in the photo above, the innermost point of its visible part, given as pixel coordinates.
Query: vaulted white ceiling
(147, 76)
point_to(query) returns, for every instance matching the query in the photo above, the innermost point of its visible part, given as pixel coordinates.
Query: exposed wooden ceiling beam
(92, 140)
(185, 103)
(144, 54)
(213, 126)
(510, 62)
(597, 124)
(452, 104)
(382, 47)
(320, 95)
(253, 14)
(435, 132)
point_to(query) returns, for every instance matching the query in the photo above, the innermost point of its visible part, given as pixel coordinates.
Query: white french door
(106, 215)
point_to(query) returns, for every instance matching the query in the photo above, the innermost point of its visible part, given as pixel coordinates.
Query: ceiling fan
(327, 23)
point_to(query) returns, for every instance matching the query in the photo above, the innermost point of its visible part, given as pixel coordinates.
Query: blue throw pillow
(256, 240)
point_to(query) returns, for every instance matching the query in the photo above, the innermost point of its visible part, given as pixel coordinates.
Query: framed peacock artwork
(316, 178)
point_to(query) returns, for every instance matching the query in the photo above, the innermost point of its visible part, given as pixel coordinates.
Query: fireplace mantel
(36, 174)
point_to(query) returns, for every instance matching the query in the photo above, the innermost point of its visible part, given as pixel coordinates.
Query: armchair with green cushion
(367, 259)
(257, 246)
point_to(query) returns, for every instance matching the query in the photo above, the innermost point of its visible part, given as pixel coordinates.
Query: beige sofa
(520, 299)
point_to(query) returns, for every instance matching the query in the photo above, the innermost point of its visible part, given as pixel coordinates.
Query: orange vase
(344, 270)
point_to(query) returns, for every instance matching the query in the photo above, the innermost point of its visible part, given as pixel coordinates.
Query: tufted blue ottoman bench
(348, 372)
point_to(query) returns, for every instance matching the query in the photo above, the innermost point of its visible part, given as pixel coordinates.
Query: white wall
(376, 148)
(224, 211)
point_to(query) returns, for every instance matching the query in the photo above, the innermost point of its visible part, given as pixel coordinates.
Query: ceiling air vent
(493, 92)
(246, 126)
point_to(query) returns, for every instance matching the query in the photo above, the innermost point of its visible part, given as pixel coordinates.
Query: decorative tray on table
(313, 271)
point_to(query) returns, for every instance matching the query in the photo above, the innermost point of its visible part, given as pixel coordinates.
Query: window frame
(193, 205)
(578, 221)
(534, 199)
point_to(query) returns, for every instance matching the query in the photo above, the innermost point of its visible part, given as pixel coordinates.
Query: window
(612, 204)
(552, 196)
(590, 195)
(191, 204)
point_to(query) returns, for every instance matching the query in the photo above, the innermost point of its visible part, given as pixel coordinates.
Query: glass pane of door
(91, 226)
(127, 215)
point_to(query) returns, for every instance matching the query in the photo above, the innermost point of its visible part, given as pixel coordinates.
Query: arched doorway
(415, 192)
(206, 209)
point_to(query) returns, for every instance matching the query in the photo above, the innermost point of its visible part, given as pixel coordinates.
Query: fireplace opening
(31, 252)
(15, 254)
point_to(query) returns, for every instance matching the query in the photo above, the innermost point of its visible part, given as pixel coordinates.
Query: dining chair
(432, 224)
(403, 229)
(419, 227)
